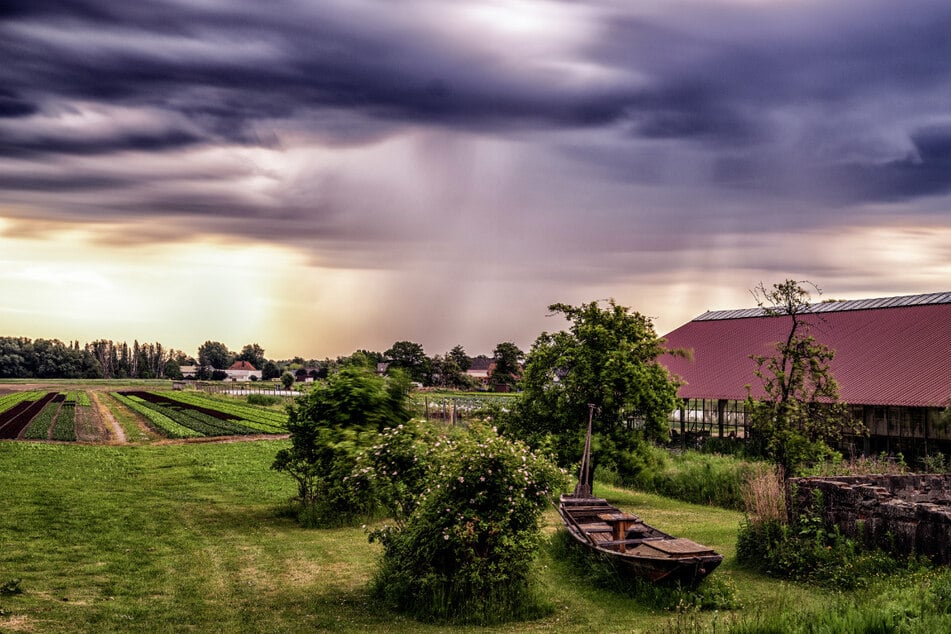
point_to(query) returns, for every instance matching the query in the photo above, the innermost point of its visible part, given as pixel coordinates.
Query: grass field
(192, 538)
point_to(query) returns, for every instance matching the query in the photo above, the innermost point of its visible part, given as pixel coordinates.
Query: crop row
(65, 426)
(159, 421)
(60, 416)
(200, 422)
(9, 400)
(272, 422)
(39, 427)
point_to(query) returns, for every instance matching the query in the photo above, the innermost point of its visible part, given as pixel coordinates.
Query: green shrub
(328, 427)
(467, 506)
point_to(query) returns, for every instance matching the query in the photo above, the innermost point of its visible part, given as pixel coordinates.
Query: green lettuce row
(65, 427)
(9, 400)
(160, 422)
(275, 420)
(39, 427)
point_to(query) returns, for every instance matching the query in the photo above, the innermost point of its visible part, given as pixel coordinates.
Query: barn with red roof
(892, 362)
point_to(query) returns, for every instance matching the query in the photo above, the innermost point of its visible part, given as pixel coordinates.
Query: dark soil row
(14, 420)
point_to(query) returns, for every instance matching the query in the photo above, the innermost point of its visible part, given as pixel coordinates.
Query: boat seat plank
(569, 501)
(629, 542)
(595, 528)
(679, 546)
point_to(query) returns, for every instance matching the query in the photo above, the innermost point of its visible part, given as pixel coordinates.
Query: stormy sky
(319, 177)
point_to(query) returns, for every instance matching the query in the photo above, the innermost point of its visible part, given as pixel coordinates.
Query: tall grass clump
(916, 603)
(764, 497)
(466, 507)
(701, 478)
(805, 550)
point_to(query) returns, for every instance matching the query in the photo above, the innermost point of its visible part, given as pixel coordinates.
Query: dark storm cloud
(831, 104)
(226, 69)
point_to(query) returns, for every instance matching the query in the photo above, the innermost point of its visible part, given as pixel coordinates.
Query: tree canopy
(607, 358)
(253, 354)
(410, 357)
(215, 354)
(508, 358)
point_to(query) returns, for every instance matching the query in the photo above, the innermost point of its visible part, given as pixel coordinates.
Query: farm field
(192, 537)
(123, 415)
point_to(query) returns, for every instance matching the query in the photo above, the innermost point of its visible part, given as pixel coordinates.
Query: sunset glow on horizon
(325, 177)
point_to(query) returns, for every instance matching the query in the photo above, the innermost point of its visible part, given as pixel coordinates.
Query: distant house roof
(888, 351)
(480, 364)
(242, 365)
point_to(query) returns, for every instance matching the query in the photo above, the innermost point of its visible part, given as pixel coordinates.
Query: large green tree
(215, 354)
(460, 358)
(270, 371)
(798, 415)
(411, 358)
(253, 354)
(508, 359)
(606, 358)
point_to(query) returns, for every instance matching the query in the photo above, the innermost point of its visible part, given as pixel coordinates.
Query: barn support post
(721, 416)
(683, 422)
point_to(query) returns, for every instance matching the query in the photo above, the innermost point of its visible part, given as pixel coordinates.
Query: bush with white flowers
(466, 506)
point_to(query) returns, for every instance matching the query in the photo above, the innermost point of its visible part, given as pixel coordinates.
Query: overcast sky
(319, 177)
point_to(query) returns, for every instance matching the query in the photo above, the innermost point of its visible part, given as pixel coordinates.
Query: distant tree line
(21, 357)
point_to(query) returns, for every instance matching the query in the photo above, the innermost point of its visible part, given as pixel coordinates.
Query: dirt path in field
(109, 419)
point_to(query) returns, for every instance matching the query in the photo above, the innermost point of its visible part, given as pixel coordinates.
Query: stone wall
(904, 514)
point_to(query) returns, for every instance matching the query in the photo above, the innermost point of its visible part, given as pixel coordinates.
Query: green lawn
(190, 537)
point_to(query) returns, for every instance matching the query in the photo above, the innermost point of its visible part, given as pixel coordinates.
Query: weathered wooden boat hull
(638, 549)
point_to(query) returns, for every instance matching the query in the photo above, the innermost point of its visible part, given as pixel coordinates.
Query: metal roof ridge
(898, 301)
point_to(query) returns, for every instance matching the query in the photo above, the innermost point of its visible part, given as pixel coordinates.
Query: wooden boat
(637, 548)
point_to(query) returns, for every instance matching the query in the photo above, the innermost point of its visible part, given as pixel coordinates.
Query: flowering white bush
(466, 507)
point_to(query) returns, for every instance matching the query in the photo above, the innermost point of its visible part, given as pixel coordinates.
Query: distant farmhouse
(242, 371)
(892, 362)
(239, 371)
(481, 369)
(189, 371)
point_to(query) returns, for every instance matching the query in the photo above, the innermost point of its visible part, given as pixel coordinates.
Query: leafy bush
(466, 507)
(328, 427)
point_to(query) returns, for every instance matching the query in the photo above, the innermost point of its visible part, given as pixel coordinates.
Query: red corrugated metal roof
(242, 365)
(884, 356)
